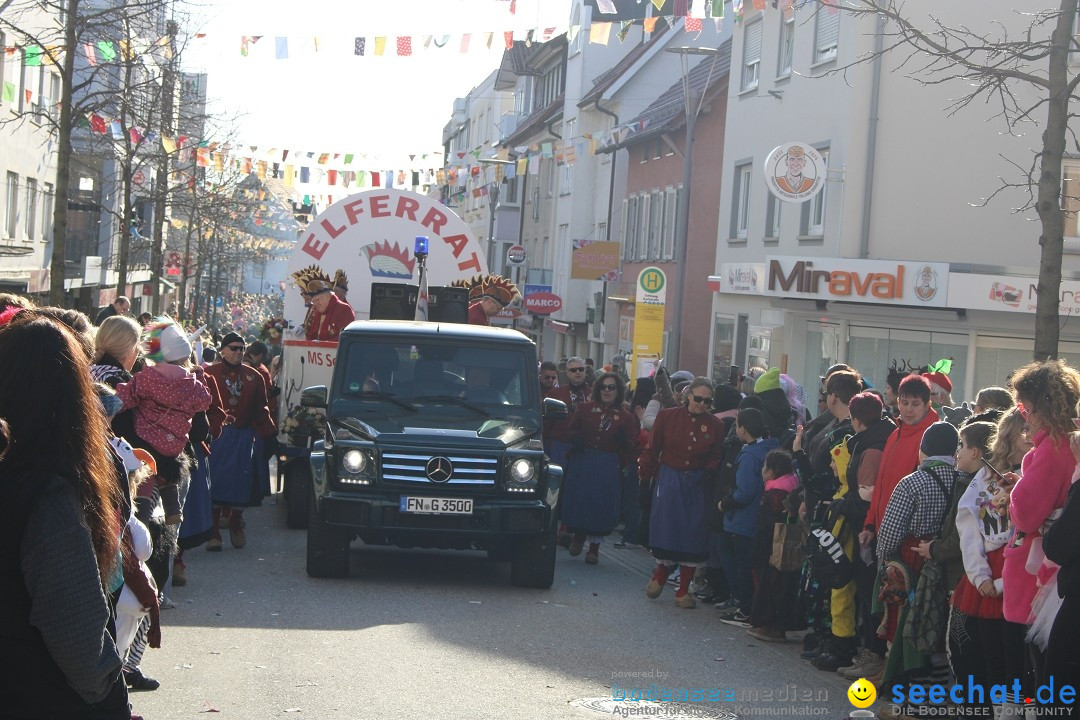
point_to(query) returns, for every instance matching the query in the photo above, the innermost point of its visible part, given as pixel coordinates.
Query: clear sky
(325, 98)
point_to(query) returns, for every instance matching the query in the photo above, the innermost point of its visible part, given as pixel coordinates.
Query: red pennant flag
(404, 45)
(693, 24)
(509, 37)
(331, 177)
(97, 123)
(375, 178)
(759, 4)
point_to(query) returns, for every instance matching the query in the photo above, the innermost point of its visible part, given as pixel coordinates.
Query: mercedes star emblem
(439, 469)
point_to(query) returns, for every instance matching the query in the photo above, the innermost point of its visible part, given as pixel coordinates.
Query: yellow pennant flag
(650, 23)
(168, 144)
(380, 45)
(290, 176)
(522, 165)
(125, 49)
(487, 40)
(600, 32)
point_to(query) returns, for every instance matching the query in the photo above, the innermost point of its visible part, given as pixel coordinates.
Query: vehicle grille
(470, 471)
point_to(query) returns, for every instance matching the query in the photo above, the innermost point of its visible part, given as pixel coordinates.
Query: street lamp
(682, 225)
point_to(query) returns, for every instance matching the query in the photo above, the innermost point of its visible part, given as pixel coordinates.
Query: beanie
(725, 398)
(940, 379)
(769, 381)
(681, 376)
(231, 337)
(940, 439)
(167, 342)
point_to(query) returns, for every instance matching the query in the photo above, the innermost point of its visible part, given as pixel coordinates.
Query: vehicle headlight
(522, 470)
(354, 462)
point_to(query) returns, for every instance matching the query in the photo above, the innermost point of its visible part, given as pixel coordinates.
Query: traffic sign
(515, 255)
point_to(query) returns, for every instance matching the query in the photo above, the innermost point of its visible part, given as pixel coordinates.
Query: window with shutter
(751, 56)
(826, 33)
(787, 45)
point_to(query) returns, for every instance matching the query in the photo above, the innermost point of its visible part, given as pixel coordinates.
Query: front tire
(533, 562)
(327, 546)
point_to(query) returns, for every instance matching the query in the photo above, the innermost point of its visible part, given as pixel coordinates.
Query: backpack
(829, 564)
(928, 615)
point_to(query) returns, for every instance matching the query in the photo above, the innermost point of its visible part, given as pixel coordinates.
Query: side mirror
(314, 397)
(555, 409)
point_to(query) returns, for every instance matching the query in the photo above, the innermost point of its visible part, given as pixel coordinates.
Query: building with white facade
(898, 258)
(28, 107)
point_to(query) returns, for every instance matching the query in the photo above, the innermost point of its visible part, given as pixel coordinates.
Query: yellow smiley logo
(862, 693)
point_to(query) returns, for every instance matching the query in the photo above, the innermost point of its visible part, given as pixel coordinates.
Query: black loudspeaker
(393, 301)
(448, 304)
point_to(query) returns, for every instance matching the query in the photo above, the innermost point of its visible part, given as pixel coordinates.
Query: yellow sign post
(649, 305)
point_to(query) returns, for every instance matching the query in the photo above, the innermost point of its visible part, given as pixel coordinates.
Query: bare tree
(113, 68)
(1020, 68)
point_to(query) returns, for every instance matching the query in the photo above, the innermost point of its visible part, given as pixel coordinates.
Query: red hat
(940, 379)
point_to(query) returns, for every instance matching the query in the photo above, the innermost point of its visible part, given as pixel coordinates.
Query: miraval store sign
(885, 282)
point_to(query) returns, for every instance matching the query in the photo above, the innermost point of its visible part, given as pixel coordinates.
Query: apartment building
(900, 257)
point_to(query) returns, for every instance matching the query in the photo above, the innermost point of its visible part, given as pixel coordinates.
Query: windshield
(461, 378)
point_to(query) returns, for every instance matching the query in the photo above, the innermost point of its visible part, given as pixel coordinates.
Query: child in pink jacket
(165, 396)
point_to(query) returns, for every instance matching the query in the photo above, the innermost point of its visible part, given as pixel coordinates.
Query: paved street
(440, 634)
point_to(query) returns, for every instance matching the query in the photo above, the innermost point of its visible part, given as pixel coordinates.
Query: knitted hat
(769, 381)
(231, 337)
(725, 398)
(940, 379)
(940, 439)
(682, 376)
(167, 342)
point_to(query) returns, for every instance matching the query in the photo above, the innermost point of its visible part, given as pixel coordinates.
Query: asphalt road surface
(440, 634)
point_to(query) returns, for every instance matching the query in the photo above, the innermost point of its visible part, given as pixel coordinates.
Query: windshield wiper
(375, 394)
(455, 401)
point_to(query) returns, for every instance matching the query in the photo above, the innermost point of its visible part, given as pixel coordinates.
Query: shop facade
(803, 314)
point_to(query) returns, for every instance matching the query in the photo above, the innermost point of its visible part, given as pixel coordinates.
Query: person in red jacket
(233, 456)
(488, 295)
(901, 454)
(604, 436)
(329, 315)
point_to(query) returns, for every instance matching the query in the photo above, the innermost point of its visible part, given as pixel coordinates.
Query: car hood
(426, 431)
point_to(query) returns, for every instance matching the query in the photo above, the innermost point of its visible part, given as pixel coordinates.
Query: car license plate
(436, 506)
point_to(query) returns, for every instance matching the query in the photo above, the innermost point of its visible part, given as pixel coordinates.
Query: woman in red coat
(686, 441)
(603, 433)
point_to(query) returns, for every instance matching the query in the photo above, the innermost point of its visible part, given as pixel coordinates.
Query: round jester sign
(795, 172)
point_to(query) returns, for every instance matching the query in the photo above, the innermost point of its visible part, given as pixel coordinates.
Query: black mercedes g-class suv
(434, 439)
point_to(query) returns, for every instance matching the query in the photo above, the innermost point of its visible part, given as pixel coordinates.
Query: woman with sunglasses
(1047, 395)
(603, 433)
(686, 442)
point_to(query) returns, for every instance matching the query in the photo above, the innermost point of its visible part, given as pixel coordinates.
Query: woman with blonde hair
(1011, 442)
(116, 347)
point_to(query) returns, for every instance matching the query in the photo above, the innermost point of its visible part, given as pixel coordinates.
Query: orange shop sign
(884, 282)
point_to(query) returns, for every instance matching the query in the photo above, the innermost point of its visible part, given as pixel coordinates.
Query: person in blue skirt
(686, 444)
(603, 434)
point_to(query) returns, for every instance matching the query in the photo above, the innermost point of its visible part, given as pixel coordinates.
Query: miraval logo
(743, 278)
